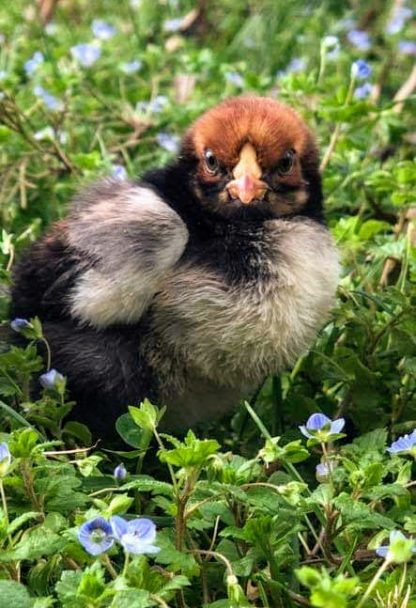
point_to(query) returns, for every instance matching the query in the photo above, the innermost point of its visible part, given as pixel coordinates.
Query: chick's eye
(210, 161)
(285, 164)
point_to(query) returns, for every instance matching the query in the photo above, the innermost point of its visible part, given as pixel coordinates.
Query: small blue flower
(168, 142)
(120, 472)
(360, 70)
(20, 324)
(330, 42)
(86, 54)
(52, 379)
(51, 29)
(33, 63)
(235, 79)
(118, 172)
(5, 459)
(398, 20)
(51, 102)
(360, 39)
(173, 25)
(155, 106)
(407, 47)
(44, 134)
(321, 427)
(158, 103)
(297, 64)
(136, 536)
(3, 74)
(102, 30)
(363, 91)
(131, 67)
(96, 536)
(404, 444)
(323, 471)
(384, 550)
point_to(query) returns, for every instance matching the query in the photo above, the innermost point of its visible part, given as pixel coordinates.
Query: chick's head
(254, 157)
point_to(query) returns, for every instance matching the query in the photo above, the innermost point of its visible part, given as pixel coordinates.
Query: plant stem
(48, 354)
(374, 582)
(4, 501)
(107, 562)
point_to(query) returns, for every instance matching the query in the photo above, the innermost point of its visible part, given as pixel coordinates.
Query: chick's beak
(246, 188)
(247, 185)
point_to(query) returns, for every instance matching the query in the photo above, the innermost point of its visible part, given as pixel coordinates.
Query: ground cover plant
(305, 496)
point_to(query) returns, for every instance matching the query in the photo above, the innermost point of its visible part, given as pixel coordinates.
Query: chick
(193, 284)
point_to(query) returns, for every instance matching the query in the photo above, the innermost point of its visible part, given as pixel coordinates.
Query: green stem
(126, 564)
(4, 501)
(170, 468)
(48, 354)
(107, 563)
(374, 582)
(322, 64)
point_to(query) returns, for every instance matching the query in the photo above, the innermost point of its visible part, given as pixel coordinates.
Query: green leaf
(19, 521)
(35, 543)
(129, 431)
(192, 453)
(14, 595)
(146, 416)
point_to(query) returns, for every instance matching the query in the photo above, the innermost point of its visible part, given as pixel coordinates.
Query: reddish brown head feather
(271, 127)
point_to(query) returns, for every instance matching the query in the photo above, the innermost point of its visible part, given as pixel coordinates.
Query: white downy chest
(234, 335)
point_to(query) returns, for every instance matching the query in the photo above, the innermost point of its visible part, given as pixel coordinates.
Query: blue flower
(103, 30)
(331, 46)
(5, 459)
(319, 426)
(3, 74)
(360, 70)
(131, 67)
(323, 471)
(118, 172)
(404, 444)
(44, 134)
(398, 20)
(173, 25)
(33, 63)
(360, 39)
(20, 324)
(52, 379)
(297, 64)
(235, 79)
(86, 54)
(96, 536)
(330, 42)
(136, 536)
(387, 551)
(120, 472)
(407, 47)
(363, 91)
(51, 102)
(156, 105)
(51, 29)
(168, 142)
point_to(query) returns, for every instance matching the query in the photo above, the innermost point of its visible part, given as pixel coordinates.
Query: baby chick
(193, 284)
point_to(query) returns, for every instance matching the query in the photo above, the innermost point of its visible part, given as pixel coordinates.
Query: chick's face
(253, 157)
